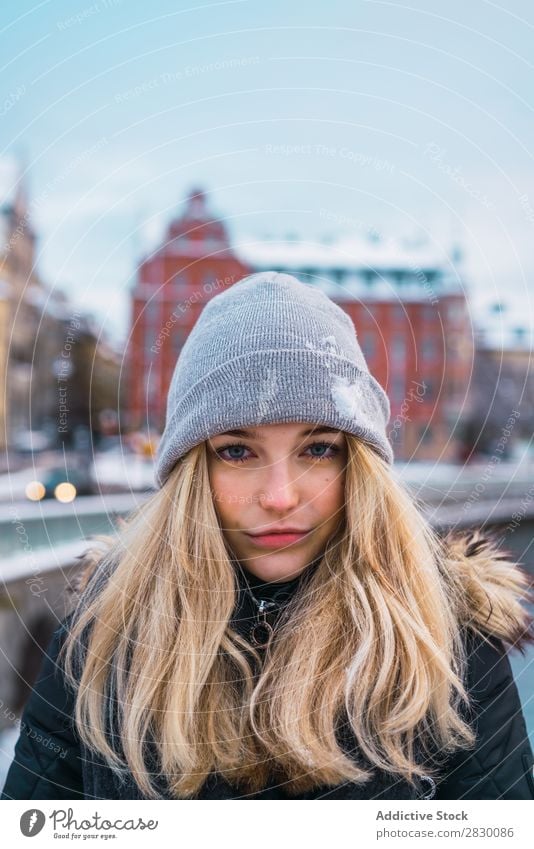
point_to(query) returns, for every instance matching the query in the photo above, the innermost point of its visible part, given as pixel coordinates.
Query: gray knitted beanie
(271, 349)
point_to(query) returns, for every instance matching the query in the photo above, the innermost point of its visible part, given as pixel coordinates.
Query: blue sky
(415, 118)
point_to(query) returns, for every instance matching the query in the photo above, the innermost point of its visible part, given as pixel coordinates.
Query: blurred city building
(410, 311)
(18, 282)
(502, 394)
(408, 305)
(60, 374)
(195, 262)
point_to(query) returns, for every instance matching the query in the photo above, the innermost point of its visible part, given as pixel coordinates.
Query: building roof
(355, 268)
(503, 326)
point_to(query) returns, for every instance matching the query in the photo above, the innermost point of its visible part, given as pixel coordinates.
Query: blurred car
(62, 484)
(112, 443)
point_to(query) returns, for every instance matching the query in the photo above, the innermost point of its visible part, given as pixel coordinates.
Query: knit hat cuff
(289, 385)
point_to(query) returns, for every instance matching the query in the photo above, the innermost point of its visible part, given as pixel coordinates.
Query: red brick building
(194, 263)
(408, 307)
(411, 315)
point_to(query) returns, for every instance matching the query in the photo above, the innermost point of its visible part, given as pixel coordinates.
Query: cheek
(218, 492)
(333, 503)
(333, 488)
(229, 498)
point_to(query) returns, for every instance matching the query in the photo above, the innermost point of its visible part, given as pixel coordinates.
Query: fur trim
(491, 586)
(88, 563)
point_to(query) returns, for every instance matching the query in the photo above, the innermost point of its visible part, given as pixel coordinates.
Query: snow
(344, 253)
(321, 266)
(351, 400)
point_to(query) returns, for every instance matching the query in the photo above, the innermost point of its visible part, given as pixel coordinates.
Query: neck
(271, 589)
(261, 601)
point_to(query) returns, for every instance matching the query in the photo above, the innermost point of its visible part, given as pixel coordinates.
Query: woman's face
(273, 477)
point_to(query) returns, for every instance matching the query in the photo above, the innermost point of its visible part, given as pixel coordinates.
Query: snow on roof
(344, 253)
(504, 325)
(509, 341)
(357, 269)
(504, 337)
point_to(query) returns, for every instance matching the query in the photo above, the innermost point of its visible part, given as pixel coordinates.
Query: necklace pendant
(261, 633)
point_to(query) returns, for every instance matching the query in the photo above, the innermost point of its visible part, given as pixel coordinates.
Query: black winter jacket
(51, 763)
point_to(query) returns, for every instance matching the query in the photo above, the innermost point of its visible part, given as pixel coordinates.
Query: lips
(270, 531)
(277, 539)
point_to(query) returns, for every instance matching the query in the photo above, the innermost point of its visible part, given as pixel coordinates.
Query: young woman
(278, 620)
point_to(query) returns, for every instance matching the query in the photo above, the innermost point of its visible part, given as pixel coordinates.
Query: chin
(268, 569)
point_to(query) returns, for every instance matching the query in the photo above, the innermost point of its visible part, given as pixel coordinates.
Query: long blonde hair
(372, 640)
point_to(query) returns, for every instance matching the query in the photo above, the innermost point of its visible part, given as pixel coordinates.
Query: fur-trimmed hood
(495, 589)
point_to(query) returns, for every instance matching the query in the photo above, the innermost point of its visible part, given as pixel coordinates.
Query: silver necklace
(261, 631)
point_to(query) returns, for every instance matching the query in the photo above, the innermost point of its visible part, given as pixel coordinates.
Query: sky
(410, 119)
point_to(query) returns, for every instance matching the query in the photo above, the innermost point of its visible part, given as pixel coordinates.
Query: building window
(368, 344)
(425, 434)
(151, 311)
(151, 388)
(178, 339)
(428, 348)
(150, 342)
(180, 286)
(429, 389)
(397, 392)
(398, 347)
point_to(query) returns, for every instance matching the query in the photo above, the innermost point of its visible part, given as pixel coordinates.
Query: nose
(280, 490)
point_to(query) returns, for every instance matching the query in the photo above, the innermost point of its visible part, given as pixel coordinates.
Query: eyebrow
(254, 434)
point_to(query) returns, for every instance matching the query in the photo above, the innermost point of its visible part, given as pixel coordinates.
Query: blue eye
(324, 445)
(238, 445)
(230, 448)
